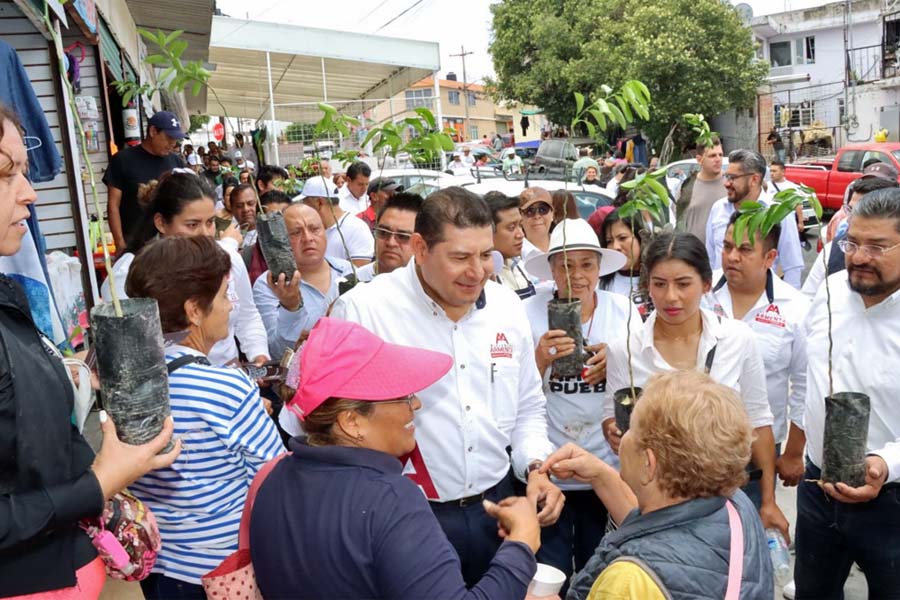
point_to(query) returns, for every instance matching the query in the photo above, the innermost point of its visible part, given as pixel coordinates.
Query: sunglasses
(538, 208)
(384, 234)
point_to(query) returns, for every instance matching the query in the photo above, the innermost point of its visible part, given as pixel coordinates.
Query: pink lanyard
(736, 557)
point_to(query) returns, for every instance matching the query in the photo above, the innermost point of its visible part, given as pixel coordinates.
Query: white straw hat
(579, 236)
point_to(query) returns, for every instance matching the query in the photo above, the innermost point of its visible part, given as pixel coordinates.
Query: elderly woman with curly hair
(685, 528)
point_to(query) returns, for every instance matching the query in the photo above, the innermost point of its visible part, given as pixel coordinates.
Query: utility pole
(465, 94)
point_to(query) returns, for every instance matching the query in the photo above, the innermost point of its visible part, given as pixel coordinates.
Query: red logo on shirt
(501, 348)
(414, 468)
(772, 316)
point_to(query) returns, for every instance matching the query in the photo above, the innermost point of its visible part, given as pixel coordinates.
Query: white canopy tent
(274, 72)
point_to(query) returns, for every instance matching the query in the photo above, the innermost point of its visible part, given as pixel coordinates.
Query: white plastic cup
(547, 582)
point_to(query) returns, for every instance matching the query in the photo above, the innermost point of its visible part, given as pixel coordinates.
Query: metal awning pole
(274, 133)
(440, 113)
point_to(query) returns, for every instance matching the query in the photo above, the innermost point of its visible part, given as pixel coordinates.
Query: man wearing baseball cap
(491, 399)
(874, 170)
(136, 165)
(349, 238)
(380, 191)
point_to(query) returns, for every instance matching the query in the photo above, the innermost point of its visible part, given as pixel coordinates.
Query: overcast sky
(456, 22)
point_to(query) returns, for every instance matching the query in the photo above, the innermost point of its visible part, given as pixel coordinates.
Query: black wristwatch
(533, 466)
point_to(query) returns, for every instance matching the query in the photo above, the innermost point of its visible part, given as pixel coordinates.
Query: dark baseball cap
(383, 184)
(882, 170)
(167, 123)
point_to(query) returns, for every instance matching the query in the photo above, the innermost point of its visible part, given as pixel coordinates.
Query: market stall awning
(307, 65)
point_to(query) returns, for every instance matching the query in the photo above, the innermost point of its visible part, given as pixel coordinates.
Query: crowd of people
(435, 450)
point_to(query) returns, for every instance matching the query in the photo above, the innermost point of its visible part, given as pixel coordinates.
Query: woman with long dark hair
(50, 478)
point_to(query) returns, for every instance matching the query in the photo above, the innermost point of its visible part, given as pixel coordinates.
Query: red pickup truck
(831, 176)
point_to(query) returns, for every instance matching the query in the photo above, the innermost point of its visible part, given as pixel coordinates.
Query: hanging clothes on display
(640, 149)
(44, 161)
(525, 124)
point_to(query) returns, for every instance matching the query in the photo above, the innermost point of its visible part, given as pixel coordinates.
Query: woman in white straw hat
(574, 403)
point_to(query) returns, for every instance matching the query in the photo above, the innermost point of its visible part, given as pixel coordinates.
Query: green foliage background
(695, 56)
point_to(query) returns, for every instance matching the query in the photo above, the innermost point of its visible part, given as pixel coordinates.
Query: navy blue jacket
(337, 522)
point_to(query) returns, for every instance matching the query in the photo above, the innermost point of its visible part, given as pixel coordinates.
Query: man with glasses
(394, 227)
(833, 259)
(838, 525)
(743, 183)
(349, 238)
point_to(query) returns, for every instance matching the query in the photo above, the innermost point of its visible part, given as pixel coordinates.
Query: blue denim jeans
(832, 535)
(159, 587)
(573, 539)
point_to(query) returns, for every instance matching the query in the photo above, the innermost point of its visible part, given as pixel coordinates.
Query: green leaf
(659, 190)
(156, 59)
(195, 89)
(659, 172)
(579, 103)
(750, 205)
(446, 143)
(415, 124)
(327, 108)
(171, 37)
(629, 185)
(178, 48)
(127, 96)
(427, 116)
(618, 116)
(149, 36)
(625, 110)
(756, 228)
(599, 118)
(740, 227)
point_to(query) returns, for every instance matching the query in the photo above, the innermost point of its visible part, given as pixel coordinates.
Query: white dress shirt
(350, 203)
(623, 284)
(489, 400)
(865, 359)
(817, 272)
(244, 321)
(777, 319)
(284, 327)
(366, 273)
(357, 236)
(737, 363)
(573, 406)
(790, 254)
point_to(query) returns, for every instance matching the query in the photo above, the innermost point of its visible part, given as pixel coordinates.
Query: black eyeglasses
(538, 208)
(384, 234)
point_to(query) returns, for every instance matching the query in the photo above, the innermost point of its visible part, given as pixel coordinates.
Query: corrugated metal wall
(54, 203)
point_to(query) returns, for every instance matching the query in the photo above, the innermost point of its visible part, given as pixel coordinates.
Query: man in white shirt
(508, 240)
(468, 160)
(348, 238)
(354, 197)
(394, 227)
(457, 164)
(512, 163)
(855, 524)
(746, 289)
(290, 307)
(443, 300)
(743, 183)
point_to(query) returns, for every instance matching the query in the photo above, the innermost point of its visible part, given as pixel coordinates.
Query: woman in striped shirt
(218, 414)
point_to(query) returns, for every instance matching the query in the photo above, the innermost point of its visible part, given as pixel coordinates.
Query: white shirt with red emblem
(778, 325)
(490, 399)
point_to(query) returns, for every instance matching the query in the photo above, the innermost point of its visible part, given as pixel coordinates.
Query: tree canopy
(695, 56)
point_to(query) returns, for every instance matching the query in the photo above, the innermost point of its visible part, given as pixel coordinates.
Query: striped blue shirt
(226, 438)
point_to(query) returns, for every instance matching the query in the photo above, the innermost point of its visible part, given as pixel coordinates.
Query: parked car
(829, 177)
(587, 199)
(555, 156)
(411, 177)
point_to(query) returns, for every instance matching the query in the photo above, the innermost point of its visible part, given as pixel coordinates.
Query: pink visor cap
(341, 359)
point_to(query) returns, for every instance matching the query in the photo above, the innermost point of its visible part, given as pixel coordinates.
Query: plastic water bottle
(781, 556)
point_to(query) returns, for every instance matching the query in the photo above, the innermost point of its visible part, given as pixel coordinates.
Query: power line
(414, 4)
(371, 12)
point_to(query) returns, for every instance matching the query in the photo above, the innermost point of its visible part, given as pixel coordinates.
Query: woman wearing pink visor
(338, 519)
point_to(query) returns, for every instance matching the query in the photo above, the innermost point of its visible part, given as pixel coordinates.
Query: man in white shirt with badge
(491, 399)
(838, 525)
(746, 289)
(743, 183)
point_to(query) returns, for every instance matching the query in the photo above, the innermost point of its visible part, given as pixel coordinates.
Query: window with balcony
(453, 97)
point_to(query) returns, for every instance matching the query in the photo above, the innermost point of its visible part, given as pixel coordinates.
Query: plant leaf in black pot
(565, 314)
(132, 366)
(624, 401)
(845, 439)
(275, 244)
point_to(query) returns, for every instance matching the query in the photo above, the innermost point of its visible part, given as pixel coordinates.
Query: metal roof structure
(306, 65)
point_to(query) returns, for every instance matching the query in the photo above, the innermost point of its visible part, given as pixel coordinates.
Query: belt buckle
(470, 500)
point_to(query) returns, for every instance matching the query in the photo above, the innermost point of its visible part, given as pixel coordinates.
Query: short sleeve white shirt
(357, 236)
(573, 406)
(778, 324)
(490, 399)
(350, 203)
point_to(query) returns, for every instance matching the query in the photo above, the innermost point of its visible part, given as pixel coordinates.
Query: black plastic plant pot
(624, 401)
(276, 245)
(346, 284)
(846, 436)
(132, 366)
(565, 314)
